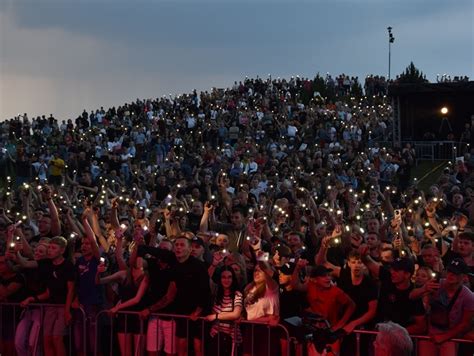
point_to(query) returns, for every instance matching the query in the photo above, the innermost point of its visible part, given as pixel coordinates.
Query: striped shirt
(227, 305)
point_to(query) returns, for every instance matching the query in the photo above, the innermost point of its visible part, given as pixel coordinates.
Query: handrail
(357, 332)
(48, 305)
(419, 337)
(187, 317)
(416, 338)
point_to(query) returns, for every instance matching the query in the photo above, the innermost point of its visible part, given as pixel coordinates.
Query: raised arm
(53, 211)
(321, 259)
(295, 280)
(90, 236)
(372, 266)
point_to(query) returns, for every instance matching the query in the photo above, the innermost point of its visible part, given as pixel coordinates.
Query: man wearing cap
(452, 311)
(462, 247)
(281, 256)
(198, 249)
(394, 302)
(324, 298)
(292, 302)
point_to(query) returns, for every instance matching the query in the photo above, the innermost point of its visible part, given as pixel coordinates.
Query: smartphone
(436, 276)
(263, 257)
(225, 252)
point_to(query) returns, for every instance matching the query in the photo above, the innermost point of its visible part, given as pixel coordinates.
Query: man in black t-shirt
(11, 290)
(292, 303)
(352, 280)
(59, 274)
(192, 296)
(162, 292)
(364, 292)
(394, 302)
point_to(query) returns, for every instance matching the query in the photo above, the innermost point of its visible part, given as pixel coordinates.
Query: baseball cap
(319, 271)
(403, 264)
(458, 266)
(283, 251)
(197, 240)
(287, 268)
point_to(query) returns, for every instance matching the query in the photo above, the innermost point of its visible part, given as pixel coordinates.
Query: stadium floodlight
(391, 39)
(444, 110)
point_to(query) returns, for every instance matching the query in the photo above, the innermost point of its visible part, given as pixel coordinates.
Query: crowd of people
(238, 205)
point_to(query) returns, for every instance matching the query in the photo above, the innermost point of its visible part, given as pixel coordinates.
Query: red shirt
(329, 303)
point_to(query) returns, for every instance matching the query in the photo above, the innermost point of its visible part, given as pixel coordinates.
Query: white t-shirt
(191, 122)
(268, 305)
(292, 130)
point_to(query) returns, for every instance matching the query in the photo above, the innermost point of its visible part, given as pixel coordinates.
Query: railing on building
(429, 150)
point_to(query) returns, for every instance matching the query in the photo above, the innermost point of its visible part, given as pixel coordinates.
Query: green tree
(412, 75)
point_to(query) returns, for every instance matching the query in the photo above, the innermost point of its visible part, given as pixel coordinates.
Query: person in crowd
(361, 288)
(325, 299)
(59, 276)
(227, 308)
(272, 167)
(392, 340)
(90, 296)
(191, 280)
(262, 304)
(394, 303)
(162, 291)
(27, 336)
(11, 290)
(133, 283)
(451, 312)
(292, 305)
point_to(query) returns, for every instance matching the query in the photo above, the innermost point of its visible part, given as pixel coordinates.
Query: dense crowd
(263, 202)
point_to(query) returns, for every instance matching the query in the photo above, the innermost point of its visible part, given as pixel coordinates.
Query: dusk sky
(63, 56)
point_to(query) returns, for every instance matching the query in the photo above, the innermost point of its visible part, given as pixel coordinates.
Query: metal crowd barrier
(415, 338)
(139, 349)
(18, 313)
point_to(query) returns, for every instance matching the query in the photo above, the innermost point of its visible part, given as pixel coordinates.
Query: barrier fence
(430, 150)
(13, 316)
(415, 339)
(22, 328)
(259, 332)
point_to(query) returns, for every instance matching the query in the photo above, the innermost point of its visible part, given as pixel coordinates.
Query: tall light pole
(391, 39)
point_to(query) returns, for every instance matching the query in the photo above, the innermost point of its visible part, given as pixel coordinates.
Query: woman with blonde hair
(262, 305)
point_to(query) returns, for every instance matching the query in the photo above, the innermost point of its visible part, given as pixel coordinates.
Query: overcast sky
(63, 56)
